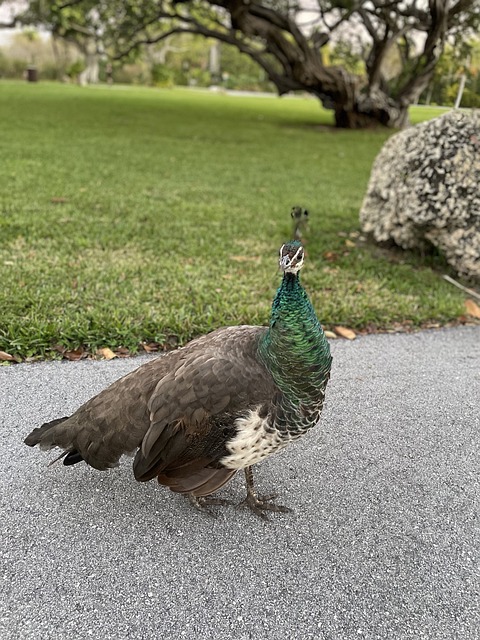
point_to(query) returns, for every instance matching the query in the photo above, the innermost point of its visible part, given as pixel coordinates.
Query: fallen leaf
(106, 353)
(331, 335)
(76, 354)
(331, 256)
(122, 352)
(150, 347)
(60, 348)
(7, 356)
(58, 200)
(472, 308)
(344, 332)
(349, 243)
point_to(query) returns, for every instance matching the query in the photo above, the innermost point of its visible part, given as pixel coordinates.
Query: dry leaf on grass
(472, 308)
(344, 332)
(122, 352)
(76, 354)
(106, 353)
(331, 335)
(7, 357)
(150, 347)
(331, 256)
(58, 200)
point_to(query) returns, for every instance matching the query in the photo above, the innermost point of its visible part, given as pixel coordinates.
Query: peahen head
(292, 255)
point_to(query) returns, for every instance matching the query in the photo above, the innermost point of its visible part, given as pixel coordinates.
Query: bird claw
(202, 503)
(260, 504)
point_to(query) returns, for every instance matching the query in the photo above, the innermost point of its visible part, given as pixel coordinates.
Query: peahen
(221, 403)
(300, 221)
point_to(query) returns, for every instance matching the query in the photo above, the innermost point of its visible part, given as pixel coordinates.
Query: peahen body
(300, 221)
(223, 402)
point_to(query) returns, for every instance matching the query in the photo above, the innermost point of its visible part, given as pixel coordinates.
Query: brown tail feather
(37, 435)
(202, 483)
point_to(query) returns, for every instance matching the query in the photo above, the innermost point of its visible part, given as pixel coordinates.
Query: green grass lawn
(132, 214)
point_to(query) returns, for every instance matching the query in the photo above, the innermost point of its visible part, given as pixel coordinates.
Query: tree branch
(459, 7)
(67, 5)
(432, 50)
(369, 25)
(198, 29)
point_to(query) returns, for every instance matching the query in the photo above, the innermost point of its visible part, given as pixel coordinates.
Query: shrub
(470, 99)
(162, 76)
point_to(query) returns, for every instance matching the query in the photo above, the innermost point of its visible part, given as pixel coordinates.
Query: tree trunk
(461, 87)
(360, 107)
(299, 67)
(371, 111)
(90, 74)
(428, 98)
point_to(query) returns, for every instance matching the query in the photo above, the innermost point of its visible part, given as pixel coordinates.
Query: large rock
(425, 188)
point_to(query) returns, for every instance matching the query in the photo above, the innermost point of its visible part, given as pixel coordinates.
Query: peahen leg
(203, 503)
(260, 504)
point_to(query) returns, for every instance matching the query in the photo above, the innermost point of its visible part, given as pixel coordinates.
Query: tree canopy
(400, 41)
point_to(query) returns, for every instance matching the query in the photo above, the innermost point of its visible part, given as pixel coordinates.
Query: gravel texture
(383, 542)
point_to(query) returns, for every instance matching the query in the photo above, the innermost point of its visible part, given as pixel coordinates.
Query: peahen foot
(202, 503)
(260, 504)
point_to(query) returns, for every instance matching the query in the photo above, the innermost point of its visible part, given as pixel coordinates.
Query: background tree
(443, 87)
(287, 38)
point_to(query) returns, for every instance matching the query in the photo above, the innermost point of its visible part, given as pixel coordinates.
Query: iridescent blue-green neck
(295, 348)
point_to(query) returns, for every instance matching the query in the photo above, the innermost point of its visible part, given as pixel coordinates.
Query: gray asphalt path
(383, 543)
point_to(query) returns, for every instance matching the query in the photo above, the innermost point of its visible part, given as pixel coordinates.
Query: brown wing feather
(176, 408)
(201, 483)
(193, 403)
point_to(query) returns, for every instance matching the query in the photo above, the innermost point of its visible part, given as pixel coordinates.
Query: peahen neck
(295, 348)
